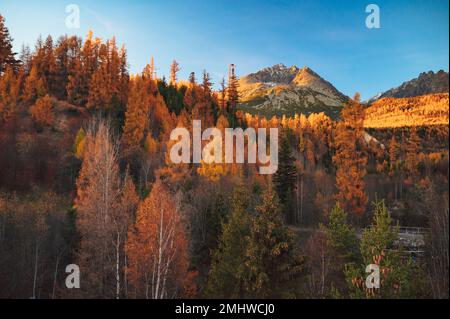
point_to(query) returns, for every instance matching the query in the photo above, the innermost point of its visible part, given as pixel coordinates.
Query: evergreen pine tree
(7, 56)
(341, 235)
(226, 275)
(233, 85)
(206, 84)
(285, 178)
(341, 249)
(271, 265)
(192, 79)
(399, 276)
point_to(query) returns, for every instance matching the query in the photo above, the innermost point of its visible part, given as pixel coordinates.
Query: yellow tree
(412, 152)
(85, 65)
(209, 168)
(34, 86)
(350, 158)
(42, 111)
(137, 114)
(110, 80)
(9, 93)
(78, 147)
(100, 89)
(174, 69)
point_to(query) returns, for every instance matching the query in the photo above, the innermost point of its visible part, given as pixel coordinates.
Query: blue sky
(328, 36)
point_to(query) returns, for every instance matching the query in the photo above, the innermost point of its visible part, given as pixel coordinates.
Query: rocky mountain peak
(306, 76)
(289, 90)
(426, 83)
(276, 74)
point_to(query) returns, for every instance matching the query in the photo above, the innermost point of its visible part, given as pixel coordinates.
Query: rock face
(279, 90)
(278, 73)
(426, 83)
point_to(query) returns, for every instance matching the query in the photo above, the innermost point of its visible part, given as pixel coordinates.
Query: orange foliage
(412, 150)
(9, 94)
(429, 109)
(157, 247)
(350, 160)
(42, 111)
(137, 114)
(34, 86)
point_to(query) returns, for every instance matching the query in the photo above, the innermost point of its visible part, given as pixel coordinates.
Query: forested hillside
(86, 179)
(426, 110)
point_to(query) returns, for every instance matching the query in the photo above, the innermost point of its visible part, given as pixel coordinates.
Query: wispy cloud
(108, 25)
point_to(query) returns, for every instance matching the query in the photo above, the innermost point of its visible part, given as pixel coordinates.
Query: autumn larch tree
(67, 54)
(306, 145)
(100, 86)
(199, 101)
(34, 86)
(25, 57)
(108, 86)
(9, 93)
(412, 151)
(47, 64)
(350, 158)
(174, 69)
(81, 73)
(43, 64)
(137, 114)
(78, 146)
(42, 111)
(157, 248)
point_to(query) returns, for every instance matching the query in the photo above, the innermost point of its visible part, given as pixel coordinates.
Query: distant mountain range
(279, 90)
(426, 83)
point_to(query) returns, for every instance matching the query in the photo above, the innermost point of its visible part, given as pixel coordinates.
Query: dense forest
(86, 179)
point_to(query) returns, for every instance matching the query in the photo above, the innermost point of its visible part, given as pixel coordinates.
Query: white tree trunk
(118, 265)
(55, 276)
(36, 257)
